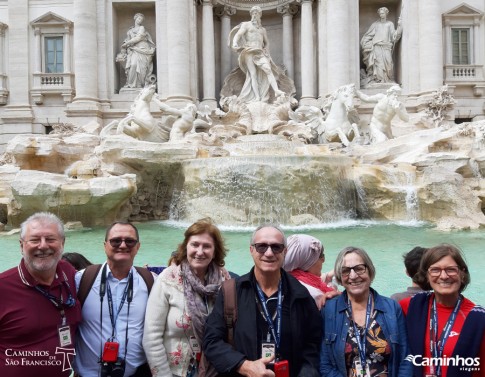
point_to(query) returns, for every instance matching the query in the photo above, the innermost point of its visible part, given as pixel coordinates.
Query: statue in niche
(250, 41)
(140, 123)
(136, 54)
(388, 105)
(377, 47)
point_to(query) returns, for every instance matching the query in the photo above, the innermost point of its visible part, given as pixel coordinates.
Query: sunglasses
(117, 241)
(276, 248)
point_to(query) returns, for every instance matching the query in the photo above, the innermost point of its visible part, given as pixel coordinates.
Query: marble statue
(388, 105)
(183, 121)
(140, 123)
(137, 53)
(337, 126)
(439, 106)
(250, 41)
(377, 47)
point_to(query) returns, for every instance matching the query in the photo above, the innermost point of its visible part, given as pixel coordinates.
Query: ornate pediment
(463, 11)
(50, 19)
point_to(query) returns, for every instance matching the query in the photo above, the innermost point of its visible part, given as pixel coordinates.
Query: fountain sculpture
(259, 157)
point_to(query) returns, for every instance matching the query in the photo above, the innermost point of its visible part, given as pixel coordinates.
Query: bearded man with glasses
(278, 328)
(113, 297)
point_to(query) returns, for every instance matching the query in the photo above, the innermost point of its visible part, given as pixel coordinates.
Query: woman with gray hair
(304, 260)
(364, 333)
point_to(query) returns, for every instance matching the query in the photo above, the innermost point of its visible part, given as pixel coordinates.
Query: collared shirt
(91, 339)
(29, 336)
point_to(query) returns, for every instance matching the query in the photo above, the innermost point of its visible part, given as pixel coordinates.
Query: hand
(256, 368)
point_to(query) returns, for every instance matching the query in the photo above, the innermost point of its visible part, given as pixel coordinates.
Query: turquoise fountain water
(384, 242)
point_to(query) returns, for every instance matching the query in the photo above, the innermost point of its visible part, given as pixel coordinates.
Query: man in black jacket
(277, 319)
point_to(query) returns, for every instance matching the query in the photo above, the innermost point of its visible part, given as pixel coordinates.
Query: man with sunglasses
(113, 310)
(278, 328)
(39, 313)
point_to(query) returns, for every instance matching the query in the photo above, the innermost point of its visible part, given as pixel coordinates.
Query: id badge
(360, 371)
(268, 349)
(64, 336)
(194, 344)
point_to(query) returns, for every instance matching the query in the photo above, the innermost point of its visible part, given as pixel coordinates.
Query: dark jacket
(469, 340)
(336, 327)
(306, 330)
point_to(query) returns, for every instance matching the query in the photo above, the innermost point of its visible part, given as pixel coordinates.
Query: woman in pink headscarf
(304, 260)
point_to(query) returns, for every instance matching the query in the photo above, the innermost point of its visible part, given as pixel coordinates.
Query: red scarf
(311, 279)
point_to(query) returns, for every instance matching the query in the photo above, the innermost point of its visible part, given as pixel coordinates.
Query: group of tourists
(283, 318)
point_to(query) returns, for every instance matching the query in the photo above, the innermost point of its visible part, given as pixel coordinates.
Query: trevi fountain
(363, 151)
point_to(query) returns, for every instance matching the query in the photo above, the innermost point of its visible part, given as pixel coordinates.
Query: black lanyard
(361, 339)
(437, 346)
(275, 332)
(59, 303)
(127, 295)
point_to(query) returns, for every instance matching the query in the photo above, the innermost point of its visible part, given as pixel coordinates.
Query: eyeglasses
(276, 248)
(359, 269)
(37, 241)
(450, 271)
(117, 241)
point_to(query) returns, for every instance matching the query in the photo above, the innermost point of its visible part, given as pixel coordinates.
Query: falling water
(249, 190)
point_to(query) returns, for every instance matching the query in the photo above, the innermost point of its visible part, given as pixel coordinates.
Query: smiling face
(200, 252)
(121, 255)
(42, 247)
(267, 262)
(446, 288)
(355, 285)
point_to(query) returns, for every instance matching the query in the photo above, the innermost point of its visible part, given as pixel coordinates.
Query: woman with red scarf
(304, 260)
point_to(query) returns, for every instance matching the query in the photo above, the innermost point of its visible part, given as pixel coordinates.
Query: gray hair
(43, 218)
(268, 225)
(360, 252)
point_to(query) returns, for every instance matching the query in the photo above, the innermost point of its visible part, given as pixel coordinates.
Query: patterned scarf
(196, 294)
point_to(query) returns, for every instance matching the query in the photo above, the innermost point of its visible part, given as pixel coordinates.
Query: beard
(43, 260)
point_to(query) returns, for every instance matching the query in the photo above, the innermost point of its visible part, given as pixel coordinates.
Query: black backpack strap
(87, 281)
(230, 307)
(89, 276)
(147, 276)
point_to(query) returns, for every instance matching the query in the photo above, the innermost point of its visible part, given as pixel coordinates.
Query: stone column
(3, 89)
(307, 58)
(17, 115)
(287, 12)
(225, 14)
(208, 55)
(37, 51)
(67, 49)
(430, 46)
(338, 40)
(322, 48)
(85, 51)
(178, 38)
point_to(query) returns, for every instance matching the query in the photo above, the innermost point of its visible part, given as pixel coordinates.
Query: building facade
(59, 58)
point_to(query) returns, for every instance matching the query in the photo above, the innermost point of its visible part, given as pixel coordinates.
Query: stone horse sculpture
(338, 125)
(140, 123)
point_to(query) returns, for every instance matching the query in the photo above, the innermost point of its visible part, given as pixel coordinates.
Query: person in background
(364, 332)
(109, 341)
(77, 260)
(277, 322)
(304, 260)
(412, 259)
(181, 299)
(39, 313)
(443, 323)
